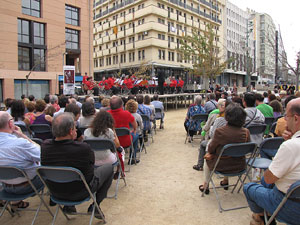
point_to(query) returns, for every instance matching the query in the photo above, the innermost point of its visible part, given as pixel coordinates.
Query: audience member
(64, 151)
(254, 116)
(103, 127)
(88, 114)
(18, 113)
(159, 115)
(281, 174)
(147, 102)
(54, 102)
(233, 132)
(277, 108)
(8, 102)
(211, 103)
(50, 110)
(192, 127)
(18, 150)
(75, 110)
(30, 115)
(124, 118)
(144, 110)
(42, 118)
(105, 104)
(63, 101)
(31, 98)
(281, 122)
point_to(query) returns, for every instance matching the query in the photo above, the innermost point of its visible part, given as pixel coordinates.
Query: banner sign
(69, 80)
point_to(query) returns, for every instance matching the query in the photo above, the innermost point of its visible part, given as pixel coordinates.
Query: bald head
(4, 118)
(116, 102)
(294, 106)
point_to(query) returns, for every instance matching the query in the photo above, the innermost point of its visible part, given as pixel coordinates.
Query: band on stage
(131, 85)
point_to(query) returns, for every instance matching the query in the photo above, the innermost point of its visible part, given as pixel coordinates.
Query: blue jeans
(267, 153)
(267, 196)
(135, 142)
(25, 189)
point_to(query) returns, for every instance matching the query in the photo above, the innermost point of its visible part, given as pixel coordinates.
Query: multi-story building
(37, 38)
(265, 32)
(128, 33)
(238, 42)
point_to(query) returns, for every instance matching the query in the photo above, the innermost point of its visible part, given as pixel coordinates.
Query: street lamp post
(63, 58)
(249, 30)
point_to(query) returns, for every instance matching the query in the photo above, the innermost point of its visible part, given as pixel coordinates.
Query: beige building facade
(38, 37)
(128, 33)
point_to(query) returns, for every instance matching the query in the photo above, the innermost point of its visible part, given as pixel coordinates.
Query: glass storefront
(37, 88)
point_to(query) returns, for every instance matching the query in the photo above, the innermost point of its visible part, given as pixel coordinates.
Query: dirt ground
(161, 189)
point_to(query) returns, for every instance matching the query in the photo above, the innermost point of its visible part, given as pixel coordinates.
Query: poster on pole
(69, 80)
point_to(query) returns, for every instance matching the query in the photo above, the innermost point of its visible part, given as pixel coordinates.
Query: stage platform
(173, 100)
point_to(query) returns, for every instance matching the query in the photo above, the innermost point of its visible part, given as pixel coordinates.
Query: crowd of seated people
(71, 123)
(242, 111)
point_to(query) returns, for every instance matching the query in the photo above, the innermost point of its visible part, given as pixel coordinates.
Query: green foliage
(202, 49)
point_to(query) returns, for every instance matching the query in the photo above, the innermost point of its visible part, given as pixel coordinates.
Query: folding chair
(146, 120)
(37, 140)
(11, 172)
(141, 141)
(63, 175)
(158, 111)
(257, 129)
(271, 145)
(272, 129)
(42, 131)
(268, 121)
(232, 150)
(24, 129)
(292, 193)
(123, 131)
(101, 145)
(197, 118)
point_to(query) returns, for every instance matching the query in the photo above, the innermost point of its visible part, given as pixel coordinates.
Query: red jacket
(173, 83)
(180, 83)
(128, 82)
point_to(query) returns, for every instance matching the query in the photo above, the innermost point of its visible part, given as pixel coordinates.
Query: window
(72, 15)
(31, 45)
(72, 39)
(131, 56)
(161, 54)
(95, 62)
(162, 21)
(31, 7)
(161, 36)
(143, 54)
(23, 58)
(171, 56)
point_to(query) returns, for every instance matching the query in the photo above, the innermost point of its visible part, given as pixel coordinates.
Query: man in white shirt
(282, 173)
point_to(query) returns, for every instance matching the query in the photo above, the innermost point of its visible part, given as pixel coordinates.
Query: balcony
(181, 19)
(112, 23)
(113, 50)
(105, 52)
(189, 22)
(142, 43)
(105, 39)
(94, 42)
(129, 17)
(94, 30)
(99, 54)
(129, 46)
(142, 27)
(120, 20)
(173, 45)
(94, 55)
(159, 27)
(113, 37)
(129, 32)
(121, 34)
(105, 26)
(160, 43)
(159, 12)
(99, 41)
(173, 16)
(141, 13)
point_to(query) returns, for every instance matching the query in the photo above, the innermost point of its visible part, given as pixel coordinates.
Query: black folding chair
(257, 130)
(292, 193)
(98, 144)
(232, 150)
(123, 131)
(11, 172)
(146, 120)
(158, 111)
(197, 118)
(42, 131)
(64, 175)
(24, 129)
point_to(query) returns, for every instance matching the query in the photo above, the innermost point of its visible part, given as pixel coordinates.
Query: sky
(284, 14)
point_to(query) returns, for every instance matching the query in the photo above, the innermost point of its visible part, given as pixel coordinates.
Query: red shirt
(89, 84)
(110, 83)
(173, 83)
(122, 119)
(84, 79)
(181, 83)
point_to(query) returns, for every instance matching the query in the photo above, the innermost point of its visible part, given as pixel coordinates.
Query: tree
(202, 48)
(142, 71)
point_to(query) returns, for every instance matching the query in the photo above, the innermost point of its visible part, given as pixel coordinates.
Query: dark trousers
(102, 181)
(161, 88)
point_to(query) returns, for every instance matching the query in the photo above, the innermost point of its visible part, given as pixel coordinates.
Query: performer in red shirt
(173, 85)
(180, 85)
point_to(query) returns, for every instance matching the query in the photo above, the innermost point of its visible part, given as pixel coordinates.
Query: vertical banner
(69, 80)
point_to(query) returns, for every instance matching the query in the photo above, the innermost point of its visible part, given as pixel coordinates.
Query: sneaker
(69, 209)
(133, 161)
(97, 214)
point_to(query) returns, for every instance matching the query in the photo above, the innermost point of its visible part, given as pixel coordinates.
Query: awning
(77, 78)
